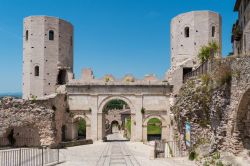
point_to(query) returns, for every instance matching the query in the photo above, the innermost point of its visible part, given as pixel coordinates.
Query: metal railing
(29, 157)
(173, 149)
(204, 68)
(159, 149)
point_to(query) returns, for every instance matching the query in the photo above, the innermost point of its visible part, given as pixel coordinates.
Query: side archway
(79, 127)
(163, 126)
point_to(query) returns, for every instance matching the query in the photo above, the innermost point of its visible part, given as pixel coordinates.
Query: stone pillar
(100, 127)
(88, 131)
(138, 126)
(164, 134)
(71, 131)
(144, 135)
(138, 119)
(132, 134)
(94, 124)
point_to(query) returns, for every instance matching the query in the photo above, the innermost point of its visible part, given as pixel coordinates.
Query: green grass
(128, 125)
(154, 126)
(82, 127)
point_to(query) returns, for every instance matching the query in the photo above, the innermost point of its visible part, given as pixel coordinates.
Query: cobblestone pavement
(116, 152)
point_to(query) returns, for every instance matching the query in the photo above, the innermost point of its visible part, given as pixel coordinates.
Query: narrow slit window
(36, 71)
(213, 31)
(186, 32)
(51, 35)
(27, 35)
(71, 40)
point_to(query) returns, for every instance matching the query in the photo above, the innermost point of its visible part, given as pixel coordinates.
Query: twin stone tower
(48, 49)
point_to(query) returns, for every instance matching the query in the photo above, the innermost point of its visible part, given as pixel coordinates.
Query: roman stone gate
(145, 100)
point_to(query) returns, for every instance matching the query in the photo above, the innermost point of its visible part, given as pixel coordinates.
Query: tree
(206, 51)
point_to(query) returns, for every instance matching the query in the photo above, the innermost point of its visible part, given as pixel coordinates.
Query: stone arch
(83, 117)
(163, 129)
(101, 121)
(115, 122)
(109, 98)
(73, 133)
(242, 120)
(163, 120)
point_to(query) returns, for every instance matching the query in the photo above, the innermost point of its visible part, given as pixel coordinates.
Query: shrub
(223, 75)
(205, 79)
(192, 155)
(206, 51)
(219, 163)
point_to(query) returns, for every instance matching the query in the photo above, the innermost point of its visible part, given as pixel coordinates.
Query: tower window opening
(213, 31)
(51, 35)
(61, 78)
(186, 70)
(186, 32)
(71, 40)
(27, 35)
(36, 71)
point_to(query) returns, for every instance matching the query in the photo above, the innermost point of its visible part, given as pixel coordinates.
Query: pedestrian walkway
(116, 152)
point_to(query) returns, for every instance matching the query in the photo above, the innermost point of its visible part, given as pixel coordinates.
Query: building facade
(241, 29)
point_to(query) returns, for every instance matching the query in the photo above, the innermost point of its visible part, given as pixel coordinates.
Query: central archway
(114, 114)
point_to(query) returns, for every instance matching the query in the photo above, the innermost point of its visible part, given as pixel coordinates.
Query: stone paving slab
(116, 153)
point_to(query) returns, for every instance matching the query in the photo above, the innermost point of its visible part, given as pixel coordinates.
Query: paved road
(116, 152)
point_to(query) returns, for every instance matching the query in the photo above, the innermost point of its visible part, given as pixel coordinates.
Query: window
(27, 35)
(61, 77)
(186, 70)
(186, 32)
(36, 71)
(213, 31)
(51, 35)
(71, 40)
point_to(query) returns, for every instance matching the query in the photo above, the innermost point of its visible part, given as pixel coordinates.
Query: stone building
(241, 29)
(189, 32)
(48, 71)
(47, 55)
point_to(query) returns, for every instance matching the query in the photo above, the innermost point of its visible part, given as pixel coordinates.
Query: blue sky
(111, 36)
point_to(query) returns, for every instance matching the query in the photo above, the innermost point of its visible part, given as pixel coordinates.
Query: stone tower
(189, 32)
(47, 55)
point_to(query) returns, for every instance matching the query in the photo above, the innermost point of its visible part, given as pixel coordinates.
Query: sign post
(188, 134)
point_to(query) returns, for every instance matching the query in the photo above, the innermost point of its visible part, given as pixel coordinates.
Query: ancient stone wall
(217, 106)
(33, 122)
